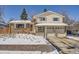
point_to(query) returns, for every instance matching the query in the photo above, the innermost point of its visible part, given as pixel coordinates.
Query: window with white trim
(55, 19)
(19, 25)
(40, 29)
(42, 18)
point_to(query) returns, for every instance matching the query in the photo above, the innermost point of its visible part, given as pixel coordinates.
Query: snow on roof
(51, 24)
(20, 21)
(48, 13)
(25, 39)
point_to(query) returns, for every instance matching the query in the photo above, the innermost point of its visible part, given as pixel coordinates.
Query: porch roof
(21, 21)
(51, 24)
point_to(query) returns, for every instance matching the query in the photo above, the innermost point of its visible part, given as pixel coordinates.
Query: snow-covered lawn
(22, 39)
(25, 39)
(73, 37)
(28, 52)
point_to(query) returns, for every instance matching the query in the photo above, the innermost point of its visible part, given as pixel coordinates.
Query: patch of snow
(20, 21)
(52, 52)
(20, 52)
(25, 39)
(22, 39)
(72, 37)
(28, 52)
(55, 52)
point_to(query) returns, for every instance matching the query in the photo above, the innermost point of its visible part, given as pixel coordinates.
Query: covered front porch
(21, 26)
(52, 30)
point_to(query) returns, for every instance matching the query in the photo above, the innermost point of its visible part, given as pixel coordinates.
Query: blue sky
(14, 11)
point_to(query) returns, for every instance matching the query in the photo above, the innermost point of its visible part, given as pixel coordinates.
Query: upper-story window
(55, 19)
(42, 18)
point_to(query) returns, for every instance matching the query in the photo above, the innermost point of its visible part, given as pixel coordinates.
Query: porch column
(36, 29)
(24, 25)
(14, 25)
(45, 32)
(10, 28)
(66, 29)
(33, 28)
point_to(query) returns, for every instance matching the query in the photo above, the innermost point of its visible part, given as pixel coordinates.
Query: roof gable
(47, 14)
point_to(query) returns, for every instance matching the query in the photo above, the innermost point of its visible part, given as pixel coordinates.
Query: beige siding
(49, 19)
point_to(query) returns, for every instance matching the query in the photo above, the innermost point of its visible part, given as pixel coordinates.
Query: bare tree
(2, 22)
(67, 19)
(2, 14)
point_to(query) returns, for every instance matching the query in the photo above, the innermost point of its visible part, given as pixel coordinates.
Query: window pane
(19, 25)
(55, 19)
(40, 29)
(42, 18)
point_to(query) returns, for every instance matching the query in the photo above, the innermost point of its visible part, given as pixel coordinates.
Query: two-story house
(73, 28)
(50, 24)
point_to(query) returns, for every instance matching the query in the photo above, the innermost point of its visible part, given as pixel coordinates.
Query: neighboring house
(49, 24)
(74, 28)
(20, 26)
